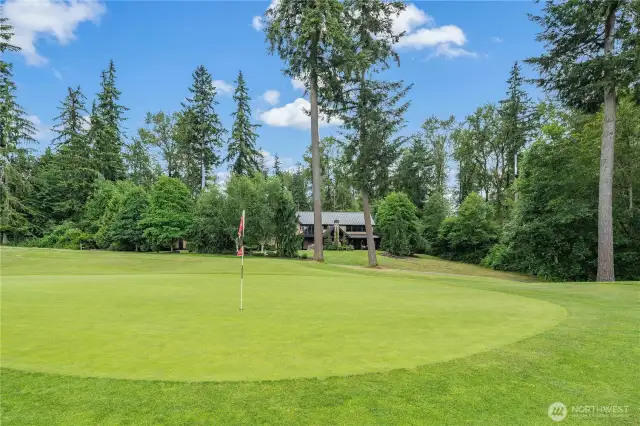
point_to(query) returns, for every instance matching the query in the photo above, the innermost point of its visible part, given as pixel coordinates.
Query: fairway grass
(81, 329)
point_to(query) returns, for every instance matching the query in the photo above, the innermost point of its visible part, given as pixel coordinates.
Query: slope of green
(419, 263)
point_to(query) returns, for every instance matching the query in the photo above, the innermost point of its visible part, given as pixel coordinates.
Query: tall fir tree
(242, 152)
(299, 188)
(517, 121)
(15, 132)
(72, 160)
(199, 131)
(106, 132)
(373, 113)
(592, 55)
(277, 166)
(413, 175)
(306, 34)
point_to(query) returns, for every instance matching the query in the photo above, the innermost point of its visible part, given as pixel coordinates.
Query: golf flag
(241, 227)
(241, 254)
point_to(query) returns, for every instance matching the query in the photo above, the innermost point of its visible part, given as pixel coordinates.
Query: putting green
(300, 320)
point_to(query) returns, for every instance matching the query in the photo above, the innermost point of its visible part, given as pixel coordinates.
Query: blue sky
(457, 55)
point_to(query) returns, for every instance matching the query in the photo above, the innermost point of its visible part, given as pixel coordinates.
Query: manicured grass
(588, 358)
(419, 263)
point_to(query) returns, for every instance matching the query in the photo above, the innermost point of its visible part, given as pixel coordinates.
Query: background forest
(513, 186)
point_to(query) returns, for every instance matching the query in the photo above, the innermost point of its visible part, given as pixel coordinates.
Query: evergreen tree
(15, 131)
(414, 175)
(592, 54)
(299, 188)
(306, 34)
(199, 131)
(72, 161)
(517, 121)
(243, 153)
(286, 223)
(372, 113)
(106, 132)
(277, 169)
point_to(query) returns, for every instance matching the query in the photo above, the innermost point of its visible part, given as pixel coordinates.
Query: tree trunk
(318, 240)
(5, 239)
(371, 244)
(605, 198)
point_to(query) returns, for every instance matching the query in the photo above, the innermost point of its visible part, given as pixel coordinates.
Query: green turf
(589, 358)
(419, 263)
(177, 326)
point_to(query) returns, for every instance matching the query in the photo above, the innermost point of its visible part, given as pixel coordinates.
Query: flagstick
(242, 261)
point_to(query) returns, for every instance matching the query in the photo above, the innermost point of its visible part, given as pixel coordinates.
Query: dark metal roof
(328, 218)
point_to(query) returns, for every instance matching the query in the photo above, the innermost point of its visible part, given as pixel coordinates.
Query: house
(350, 226)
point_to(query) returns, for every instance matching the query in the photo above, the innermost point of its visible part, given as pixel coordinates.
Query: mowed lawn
(124, 338)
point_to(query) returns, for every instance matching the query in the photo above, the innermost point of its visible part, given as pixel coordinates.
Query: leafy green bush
(436, 209)
(338, 247)
(397, 220)
(469, 235)
(65, 236)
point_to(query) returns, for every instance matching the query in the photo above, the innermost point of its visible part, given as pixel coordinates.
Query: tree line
(514, 185)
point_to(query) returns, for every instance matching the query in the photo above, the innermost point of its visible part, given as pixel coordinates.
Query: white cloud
(430, 37)
(56, 73)
(43, 133)
(35, 19)
(448, 51)
(223, 87)
(293, 115)
(421, 33)
(272, 97)
(496, 39)
(298, 84)
(258, 22)
(411, 17)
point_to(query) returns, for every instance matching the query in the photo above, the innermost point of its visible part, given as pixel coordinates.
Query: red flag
(241, 228)
(240, 252)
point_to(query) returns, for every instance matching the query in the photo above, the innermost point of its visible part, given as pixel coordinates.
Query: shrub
(65, 236)
(435, 211)
(397, 221)
(469, 235)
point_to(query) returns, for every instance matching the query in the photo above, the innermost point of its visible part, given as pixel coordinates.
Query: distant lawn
(420, 263)
(345, 346)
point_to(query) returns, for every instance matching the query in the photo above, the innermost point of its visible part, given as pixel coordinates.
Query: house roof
(328, 218)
